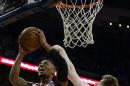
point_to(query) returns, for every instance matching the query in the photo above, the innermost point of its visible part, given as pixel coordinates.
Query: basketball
(29, 39)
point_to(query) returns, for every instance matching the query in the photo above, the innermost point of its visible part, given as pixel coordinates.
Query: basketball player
(107, 80)
(45, 70)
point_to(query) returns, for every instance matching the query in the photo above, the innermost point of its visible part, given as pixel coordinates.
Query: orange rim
(62, 5)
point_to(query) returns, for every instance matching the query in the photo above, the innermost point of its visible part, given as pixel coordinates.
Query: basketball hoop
(78, 21)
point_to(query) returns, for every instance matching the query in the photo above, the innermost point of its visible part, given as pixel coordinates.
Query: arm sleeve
(60, 63)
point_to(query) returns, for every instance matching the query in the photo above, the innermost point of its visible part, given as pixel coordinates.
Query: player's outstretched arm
(75, 79)
(15, 70)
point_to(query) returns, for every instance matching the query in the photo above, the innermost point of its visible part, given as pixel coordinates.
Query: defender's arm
(74, 77)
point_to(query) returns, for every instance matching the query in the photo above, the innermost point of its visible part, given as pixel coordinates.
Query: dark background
(108, 55)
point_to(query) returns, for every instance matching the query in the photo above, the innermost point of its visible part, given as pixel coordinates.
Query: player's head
(108, 80)
(46, 71)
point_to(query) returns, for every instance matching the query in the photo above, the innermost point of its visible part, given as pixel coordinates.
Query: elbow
(12, 79)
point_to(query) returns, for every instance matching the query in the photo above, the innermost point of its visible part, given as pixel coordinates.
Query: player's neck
(43, 82)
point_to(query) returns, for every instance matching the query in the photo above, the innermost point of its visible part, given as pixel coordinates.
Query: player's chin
(40, 73)
(44, 76)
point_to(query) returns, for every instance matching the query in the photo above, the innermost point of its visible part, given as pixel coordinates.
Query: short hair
(109, 80)
(49, 62)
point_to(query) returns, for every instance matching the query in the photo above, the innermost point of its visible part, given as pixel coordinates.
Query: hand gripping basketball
(41, 37)
(22, 52)
(31, 39)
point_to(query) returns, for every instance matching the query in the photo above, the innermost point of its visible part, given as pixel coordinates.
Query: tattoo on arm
(14, 73)
(22, 82)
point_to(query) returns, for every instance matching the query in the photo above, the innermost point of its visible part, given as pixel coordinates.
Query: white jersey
(51, 83)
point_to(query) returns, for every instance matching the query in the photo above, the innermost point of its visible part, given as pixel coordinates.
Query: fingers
(39, 32)
(41, 36)
(22, 51)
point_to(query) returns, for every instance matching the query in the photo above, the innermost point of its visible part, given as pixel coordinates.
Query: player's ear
(53, 72)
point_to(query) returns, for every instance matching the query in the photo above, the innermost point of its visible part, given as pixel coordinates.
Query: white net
(78, 21)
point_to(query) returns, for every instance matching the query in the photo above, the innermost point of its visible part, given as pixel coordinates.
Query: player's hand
(41, 36)
(22, 52)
